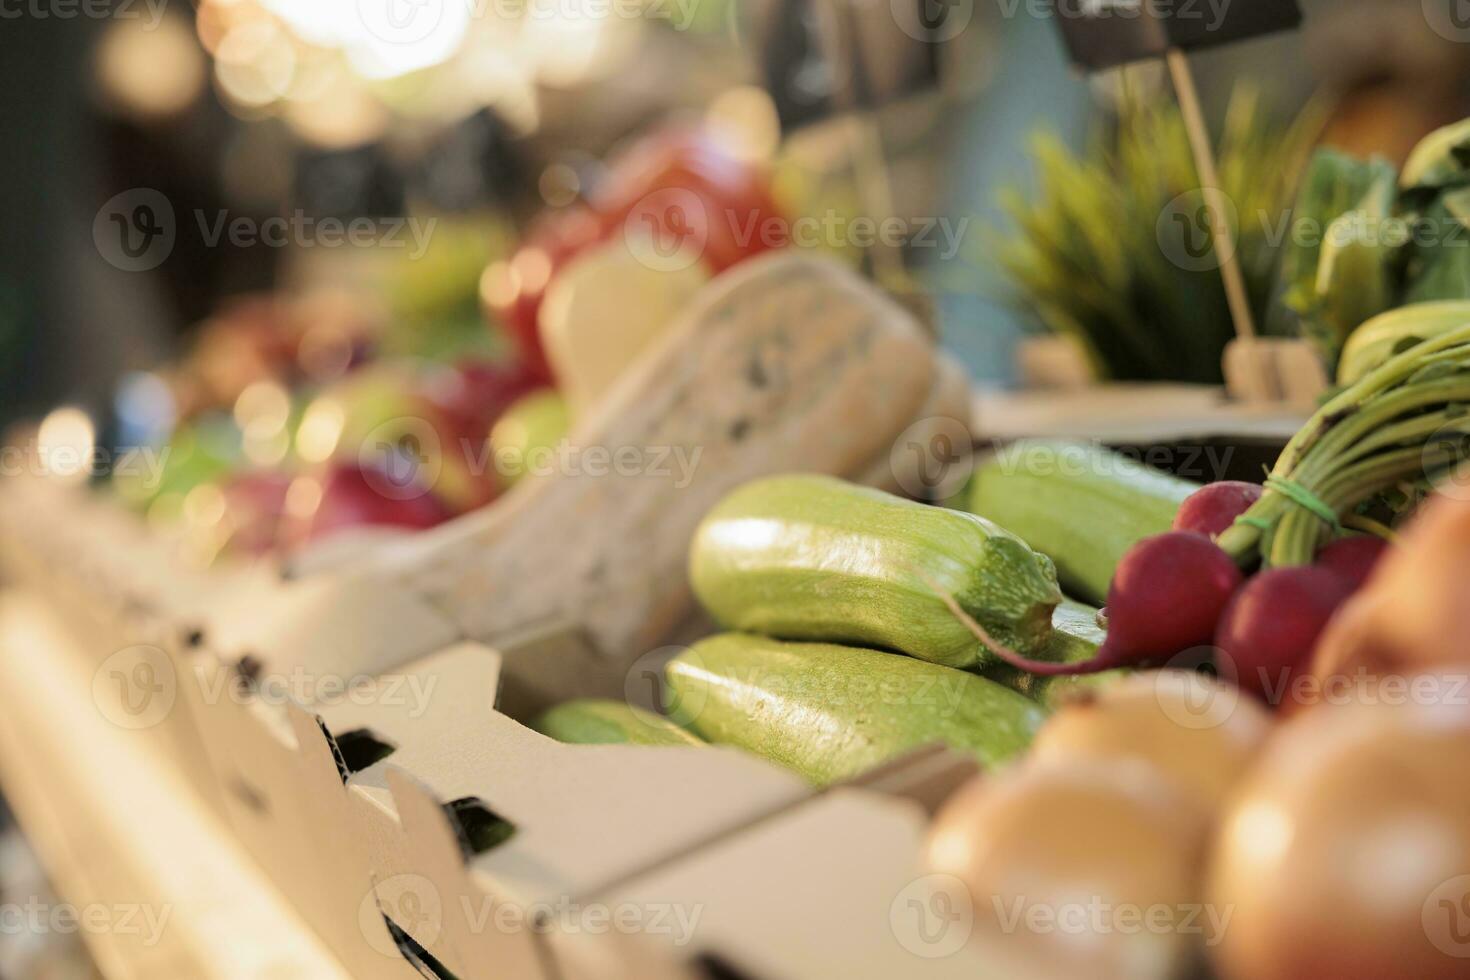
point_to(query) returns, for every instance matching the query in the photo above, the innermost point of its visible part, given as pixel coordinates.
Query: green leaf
(1439, 264)
(1442, 159)
(1335, 281)
(1088, 253)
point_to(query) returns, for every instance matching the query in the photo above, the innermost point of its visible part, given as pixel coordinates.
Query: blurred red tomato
(679, 196)
(512, 291)
(685, 190)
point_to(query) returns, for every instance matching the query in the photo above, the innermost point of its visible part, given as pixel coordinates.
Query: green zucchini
(832, 712)
(815, 558)
(1083, 505)
(1075, 637)
(591, 722)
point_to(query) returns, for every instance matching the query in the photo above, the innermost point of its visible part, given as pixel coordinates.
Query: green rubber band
(1259, 523)
(1305, 498)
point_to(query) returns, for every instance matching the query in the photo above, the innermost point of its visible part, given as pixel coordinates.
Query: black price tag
(1105, 33)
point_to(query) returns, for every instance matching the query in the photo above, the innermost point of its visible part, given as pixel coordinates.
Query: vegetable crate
(356, 722)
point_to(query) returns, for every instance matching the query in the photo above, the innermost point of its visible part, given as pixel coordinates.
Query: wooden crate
(559, 590)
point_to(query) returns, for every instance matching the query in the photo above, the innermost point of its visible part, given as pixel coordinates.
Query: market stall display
(632, 590)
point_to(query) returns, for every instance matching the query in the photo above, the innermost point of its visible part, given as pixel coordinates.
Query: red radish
(1211, 509)
(1167, 595)
(1273, 625)
(1353, 558)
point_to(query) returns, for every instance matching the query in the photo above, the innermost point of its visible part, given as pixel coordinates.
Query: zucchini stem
(1041, 668)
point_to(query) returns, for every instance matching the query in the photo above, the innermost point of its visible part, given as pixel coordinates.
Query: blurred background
(504, 110)
(182, 183)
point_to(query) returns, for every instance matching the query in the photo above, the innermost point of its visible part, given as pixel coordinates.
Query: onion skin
(1337, 855)
(1201, 733)
(1052, 839)
(1412, 614)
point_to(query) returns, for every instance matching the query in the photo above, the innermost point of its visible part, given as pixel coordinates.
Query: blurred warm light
(255, 63)
(744, 120)
(520, 107)
(150, 73)
(65, 443)
(318, 74)
(491, 74)
(500, 284)
(266, 449)
(343, 114)
(952, 847)
(204, 505)
(206, 530)
(572, 44)
(325, 23)
(262, 409)
(532, 267)
(303, 497)
(263, 412)
(165, 510)
(560, 185)
(212, 22)
(1267, 831)
(321, 429)
(386, 44)
(317, 54)
(215, 18)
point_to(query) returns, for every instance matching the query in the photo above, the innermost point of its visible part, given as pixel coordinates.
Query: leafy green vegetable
(1336, 267)
(1095, 257)
(1439, 161)
(1391, 240)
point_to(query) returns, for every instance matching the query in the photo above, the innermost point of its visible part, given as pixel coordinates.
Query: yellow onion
(1411, 616)
(1346, 853)
(1077, 869)
(1199, 732)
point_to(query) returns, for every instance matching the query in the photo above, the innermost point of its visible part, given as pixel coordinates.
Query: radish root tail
(1044, 668)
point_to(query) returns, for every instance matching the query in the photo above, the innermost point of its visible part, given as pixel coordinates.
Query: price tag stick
(875, 189)
(1271, 385)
